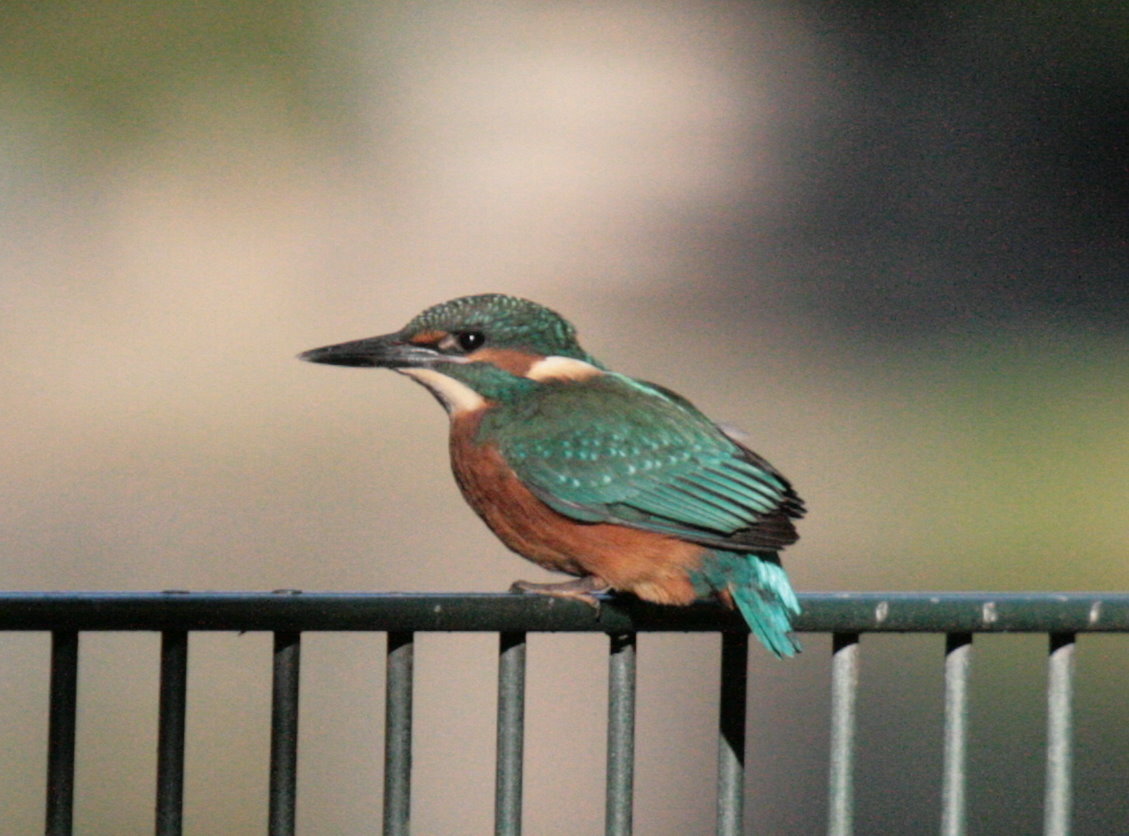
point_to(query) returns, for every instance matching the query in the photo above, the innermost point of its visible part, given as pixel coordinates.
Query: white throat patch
(455, 396)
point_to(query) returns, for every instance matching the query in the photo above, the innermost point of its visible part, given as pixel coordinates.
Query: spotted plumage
(619, 482)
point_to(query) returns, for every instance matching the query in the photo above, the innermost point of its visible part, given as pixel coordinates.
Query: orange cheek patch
(515, 362)
(427, 337)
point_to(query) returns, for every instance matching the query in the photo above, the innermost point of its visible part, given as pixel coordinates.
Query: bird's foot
(581, 589)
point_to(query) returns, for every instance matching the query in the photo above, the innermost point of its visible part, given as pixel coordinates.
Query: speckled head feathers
(506, 321)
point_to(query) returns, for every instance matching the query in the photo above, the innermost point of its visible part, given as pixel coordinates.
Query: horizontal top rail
(827, 612)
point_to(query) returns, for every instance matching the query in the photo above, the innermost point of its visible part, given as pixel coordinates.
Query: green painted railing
(287, 614)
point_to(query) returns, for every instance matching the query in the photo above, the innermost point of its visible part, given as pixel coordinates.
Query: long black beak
(388, 351)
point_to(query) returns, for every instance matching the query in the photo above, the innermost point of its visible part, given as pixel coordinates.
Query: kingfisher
(618, 482)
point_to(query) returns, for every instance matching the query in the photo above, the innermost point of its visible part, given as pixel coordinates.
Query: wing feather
(612, 449)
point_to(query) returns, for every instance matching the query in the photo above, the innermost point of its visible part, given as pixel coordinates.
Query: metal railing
(288, 614)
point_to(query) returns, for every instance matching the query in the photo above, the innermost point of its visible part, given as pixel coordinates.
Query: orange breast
(652, 566)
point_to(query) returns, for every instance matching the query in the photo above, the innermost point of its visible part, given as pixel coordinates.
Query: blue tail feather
(761, 591)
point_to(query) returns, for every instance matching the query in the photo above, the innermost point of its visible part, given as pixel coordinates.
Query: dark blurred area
(974, 175)
(889, 240)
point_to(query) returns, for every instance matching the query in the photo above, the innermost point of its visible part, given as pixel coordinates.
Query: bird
(620, 483)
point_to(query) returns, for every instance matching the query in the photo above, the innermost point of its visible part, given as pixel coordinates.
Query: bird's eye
(470, 340)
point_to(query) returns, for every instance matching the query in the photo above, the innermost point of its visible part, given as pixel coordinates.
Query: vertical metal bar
(958, 665)
(511, 733)
(170, 732)
(731, 734)
(61, 732)
(1060, 735)
(844, 698)
(621, 735)
(284, 733)
(398, 734)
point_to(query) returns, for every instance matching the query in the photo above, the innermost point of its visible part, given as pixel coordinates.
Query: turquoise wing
(612, 449)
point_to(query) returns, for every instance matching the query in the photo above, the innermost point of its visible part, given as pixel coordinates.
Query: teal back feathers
(646, 458)
(622, 451)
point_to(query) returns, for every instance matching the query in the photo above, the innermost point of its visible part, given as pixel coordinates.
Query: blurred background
(889, 240)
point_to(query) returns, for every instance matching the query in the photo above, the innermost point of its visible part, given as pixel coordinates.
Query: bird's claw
(581, 589)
